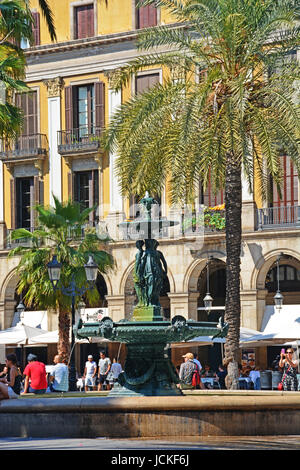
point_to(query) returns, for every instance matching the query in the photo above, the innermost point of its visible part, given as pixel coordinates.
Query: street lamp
(208, 300)
(20, 309)
(73, 291)
(278, 297)
(54, 269)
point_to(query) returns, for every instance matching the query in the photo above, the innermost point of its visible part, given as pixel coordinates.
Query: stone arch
(7, 298)
(193, 272)
(265, 263)
(108, 283)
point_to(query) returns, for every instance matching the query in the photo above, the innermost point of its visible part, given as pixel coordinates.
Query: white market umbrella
(20, 334)
(51, 337)
(209, 341)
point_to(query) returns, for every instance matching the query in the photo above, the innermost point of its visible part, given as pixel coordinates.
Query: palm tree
(59, 233)
(236, 117)
(15, 24)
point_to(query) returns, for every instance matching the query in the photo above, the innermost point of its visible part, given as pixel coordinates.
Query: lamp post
(91, 271)
(278, 297)
(208, 300)
(20, 309)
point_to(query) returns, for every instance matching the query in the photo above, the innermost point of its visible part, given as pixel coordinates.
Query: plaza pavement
(223, 443)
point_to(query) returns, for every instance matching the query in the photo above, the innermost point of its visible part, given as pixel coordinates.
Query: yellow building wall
(115, 17)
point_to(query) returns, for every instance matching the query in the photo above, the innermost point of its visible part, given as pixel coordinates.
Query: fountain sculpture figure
(148, 369)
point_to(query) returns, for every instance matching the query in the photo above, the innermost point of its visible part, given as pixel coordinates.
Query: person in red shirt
(35, 371)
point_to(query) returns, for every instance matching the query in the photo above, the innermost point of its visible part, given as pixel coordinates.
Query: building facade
(58, 153)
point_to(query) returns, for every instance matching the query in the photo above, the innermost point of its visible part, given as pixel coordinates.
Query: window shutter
(144, 82)
(13, 202)
(208, 197)
(90, 21)
(27, 102)
(152, 15)
(71, 177)
(36, 28)
(289, 186)
(84, 21)
(99, 106)
(69, 108)
(147, 16)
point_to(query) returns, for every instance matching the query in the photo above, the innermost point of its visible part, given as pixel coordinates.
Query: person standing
(197, 362)
(89, 375)
(10, 386)
(289, 365)
(35, 372)
(116, 370)
(104, 368)
(59, 376)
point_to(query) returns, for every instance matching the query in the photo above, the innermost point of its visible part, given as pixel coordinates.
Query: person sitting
(36, 372)
(254, 376)
(59, 376)
(186, 371)
(207, 372)
(220, 376)
(10, 385)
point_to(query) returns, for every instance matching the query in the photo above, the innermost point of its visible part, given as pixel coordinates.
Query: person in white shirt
(197, 362)
(89, 375)
(59, 376)
(116, 369)
(254, 376)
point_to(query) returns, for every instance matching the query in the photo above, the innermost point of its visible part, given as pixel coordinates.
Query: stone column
(193, 305)
(248, 307)
(54, 87)
(116, 212)
(261, 306)
(179, 304)
(116, 307)
(249, 208)
(3, 235)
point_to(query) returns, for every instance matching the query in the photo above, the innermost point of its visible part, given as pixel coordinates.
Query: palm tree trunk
(233, 205)
(63, 347)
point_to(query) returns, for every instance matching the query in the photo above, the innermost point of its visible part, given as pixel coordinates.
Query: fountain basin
(148, 370)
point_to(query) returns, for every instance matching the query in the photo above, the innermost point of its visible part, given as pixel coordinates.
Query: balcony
(10, 243)
(76, 141)
(24, 148)
(279, 217)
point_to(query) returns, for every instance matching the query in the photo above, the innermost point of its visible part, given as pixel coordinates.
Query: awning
(19, 334)
(245, 333)
(279, 325)
(51, 337)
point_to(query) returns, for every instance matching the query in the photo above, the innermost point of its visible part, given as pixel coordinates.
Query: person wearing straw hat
(186, 371)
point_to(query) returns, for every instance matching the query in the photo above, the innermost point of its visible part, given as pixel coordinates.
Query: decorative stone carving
(54, 86)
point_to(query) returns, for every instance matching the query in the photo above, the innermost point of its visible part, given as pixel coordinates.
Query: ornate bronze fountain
(148, 370)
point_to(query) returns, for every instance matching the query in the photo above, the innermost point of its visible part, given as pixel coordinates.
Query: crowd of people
(35, 379)
(249, 378)
(105, 374)
(192, 374)
(102, 376)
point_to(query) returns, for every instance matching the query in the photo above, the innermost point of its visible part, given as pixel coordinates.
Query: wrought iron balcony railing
(24, 146)
(78, 140)
(73, 234)
(10, 243)
(279, 217)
